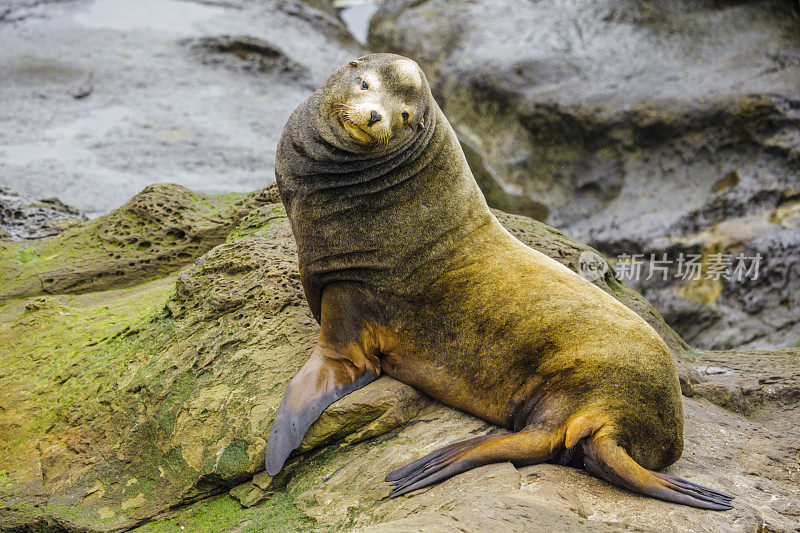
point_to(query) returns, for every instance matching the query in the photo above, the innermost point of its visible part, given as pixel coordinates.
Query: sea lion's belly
(456, 386)
(481, 357)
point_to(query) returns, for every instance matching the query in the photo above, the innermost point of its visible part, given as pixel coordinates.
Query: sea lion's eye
(364, 85)
(405, 116)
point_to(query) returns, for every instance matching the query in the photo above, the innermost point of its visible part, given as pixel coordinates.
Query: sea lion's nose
(374, 118)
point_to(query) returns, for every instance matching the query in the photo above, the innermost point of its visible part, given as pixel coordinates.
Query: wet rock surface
(148, 407)
(763, 385)
(23, 218)
(100, 98)
(246, 53)
(655, 127)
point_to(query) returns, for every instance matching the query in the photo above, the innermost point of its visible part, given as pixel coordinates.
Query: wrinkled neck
(376, 220)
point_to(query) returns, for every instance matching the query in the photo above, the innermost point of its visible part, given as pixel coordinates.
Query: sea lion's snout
(374, 118)
(366, 122)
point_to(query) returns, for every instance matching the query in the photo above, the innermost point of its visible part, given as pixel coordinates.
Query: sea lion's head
(374, 102)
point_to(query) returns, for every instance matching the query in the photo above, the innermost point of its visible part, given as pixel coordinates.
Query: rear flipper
(525, 447)
(604, 458)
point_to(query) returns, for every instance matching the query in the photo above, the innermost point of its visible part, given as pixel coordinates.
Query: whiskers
(343, 111)
(382, 140)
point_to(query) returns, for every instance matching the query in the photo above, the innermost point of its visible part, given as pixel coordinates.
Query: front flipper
(323, 379)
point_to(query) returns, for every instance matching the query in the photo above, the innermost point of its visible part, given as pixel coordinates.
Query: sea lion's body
(410, 274)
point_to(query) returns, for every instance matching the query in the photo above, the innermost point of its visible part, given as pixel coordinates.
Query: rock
(23, 218)
(249, 495)
(636, 127)
(499, 495)
(246, 53)
(158, 231)
(149, 406)
(104, 97)
(762, 385)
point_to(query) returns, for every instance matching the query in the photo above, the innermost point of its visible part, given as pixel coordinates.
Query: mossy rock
(146, 405)
(159, 230)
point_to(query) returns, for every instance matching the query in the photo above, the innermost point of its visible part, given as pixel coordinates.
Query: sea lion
(409, 273)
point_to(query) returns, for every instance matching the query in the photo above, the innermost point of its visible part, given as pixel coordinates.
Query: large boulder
(149, 405)
(638, 127)
(160, 229)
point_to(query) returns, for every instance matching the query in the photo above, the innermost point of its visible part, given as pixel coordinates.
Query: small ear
(355, 63)
(421, 125)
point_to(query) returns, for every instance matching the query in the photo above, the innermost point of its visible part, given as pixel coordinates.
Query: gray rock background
(22, 217)
(100, 98)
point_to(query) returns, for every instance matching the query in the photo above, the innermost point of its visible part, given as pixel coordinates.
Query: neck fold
(375, 219)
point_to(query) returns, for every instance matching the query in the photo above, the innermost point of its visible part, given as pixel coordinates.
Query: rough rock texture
(649, 127)
(762, 385)
(159, 230)
(148, 406)
(22, 217)
(100, 98)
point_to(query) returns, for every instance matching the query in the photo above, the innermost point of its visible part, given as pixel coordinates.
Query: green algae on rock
(148, 406)
(159, 230)
(187, 384)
